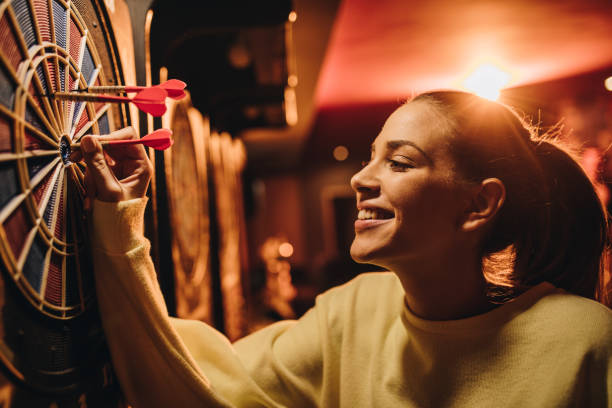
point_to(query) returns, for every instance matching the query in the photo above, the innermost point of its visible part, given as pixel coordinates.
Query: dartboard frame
(46, 273)
(185, 168)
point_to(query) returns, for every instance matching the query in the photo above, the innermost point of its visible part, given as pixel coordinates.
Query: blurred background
(297, 90)
(251, 213)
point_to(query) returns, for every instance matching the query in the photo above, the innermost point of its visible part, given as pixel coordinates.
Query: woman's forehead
(416, 122)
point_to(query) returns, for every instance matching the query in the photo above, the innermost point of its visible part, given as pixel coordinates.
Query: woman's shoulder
(575, 316)
(365, 287)
(376, 295)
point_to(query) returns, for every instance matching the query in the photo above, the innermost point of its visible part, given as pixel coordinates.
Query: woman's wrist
(118, 227)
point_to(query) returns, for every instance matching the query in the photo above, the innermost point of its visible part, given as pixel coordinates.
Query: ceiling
(380, 56)
(396, 48)
(357, 59)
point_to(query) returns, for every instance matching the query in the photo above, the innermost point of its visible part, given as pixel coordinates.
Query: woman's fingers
(106, 186)
(90, 189)
(121, 134)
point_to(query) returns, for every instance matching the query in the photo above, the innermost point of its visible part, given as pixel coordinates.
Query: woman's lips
(361, 225)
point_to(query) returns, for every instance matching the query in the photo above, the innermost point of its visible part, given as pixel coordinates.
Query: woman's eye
(399, 166)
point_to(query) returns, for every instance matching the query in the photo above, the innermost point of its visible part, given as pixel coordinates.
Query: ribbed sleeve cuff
(118, 227)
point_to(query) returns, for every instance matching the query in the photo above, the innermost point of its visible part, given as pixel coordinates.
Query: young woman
(495, 240)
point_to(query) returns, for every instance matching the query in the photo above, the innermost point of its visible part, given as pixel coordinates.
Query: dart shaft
(104, 89)
(72, 96)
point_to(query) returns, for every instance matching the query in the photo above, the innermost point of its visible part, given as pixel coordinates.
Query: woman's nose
(365, 180)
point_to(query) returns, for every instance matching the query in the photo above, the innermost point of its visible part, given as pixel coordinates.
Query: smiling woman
(454, 182)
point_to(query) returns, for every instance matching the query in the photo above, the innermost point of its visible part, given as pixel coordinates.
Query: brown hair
(552, 226)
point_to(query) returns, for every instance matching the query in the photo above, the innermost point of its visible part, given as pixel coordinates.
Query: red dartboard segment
(75, 42)
(41, 189)
(84, 119)
(6, 144)
(11, 50)
(60, 221)
(17, 226)
(41, 12)
(53, 290)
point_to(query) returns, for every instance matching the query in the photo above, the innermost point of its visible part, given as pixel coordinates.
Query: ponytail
(552, 226)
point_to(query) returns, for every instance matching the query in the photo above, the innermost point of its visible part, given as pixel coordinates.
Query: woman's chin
(361, 254)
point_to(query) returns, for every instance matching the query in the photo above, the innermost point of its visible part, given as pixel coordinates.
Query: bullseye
(65, 150)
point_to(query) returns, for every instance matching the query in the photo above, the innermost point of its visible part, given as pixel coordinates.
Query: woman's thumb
(106, 185)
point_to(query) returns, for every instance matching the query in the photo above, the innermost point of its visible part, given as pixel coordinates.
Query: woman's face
(410, 202)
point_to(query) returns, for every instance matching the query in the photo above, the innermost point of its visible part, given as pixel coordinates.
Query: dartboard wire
(91, 110)
(35, 22)
(26, 155)
(63, 104)
(43, 283)
(43, 51)
(82, 48)
(20, 121)
(52, 101)
(51, 21)
(17, 27)
(11, 206)
(59, 179)
(26, 250)
(30, 53)
(21, 107)
(40, 210)
(79, 179)
(43, 172)
(90, 124)
(50, 114)
(72, 120)
(60, 200)
(60, 103)
(32, 293)
(77, 258)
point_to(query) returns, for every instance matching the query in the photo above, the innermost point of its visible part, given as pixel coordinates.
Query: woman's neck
(444, 288)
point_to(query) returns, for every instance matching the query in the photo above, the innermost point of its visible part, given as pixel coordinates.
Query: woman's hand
(116, 173)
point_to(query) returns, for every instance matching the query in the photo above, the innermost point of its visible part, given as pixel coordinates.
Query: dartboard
(49, 46)
(187, 187)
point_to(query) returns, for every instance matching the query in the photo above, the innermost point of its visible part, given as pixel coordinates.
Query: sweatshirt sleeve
(163, 361)
(154, 367)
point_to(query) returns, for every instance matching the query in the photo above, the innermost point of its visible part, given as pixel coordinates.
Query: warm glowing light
(340, 153)
(608, 83)
(292, 80)
(291, 115)
(487, 81)
(285, 249)
(292, 16)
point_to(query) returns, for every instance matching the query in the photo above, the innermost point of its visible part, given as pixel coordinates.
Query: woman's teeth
(371, 214)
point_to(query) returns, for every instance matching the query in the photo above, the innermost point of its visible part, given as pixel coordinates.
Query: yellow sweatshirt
(358, 347)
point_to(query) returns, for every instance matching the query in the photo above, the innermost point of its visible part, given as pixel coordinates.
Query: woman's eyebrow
(395, 144)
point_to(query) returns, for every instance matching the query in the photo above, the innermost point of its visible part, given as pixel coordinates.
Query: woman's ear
(487, 199)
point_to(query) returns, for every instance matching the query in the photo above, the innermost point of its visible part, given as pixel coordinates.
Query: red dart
(150, 100)
(174, 87)
(158, 140)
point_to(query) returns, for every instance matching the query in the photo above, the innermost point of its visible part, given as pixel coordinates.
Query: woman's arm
(154, 367)
(163, 362)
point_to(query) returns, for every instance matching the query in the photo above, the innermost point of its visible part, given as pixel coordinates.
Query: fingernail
(88, 145)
